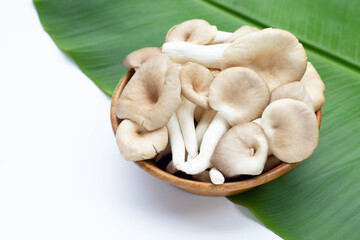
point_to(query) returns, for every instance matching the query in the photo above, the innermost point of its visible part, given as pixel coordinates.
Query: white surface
(61, 175)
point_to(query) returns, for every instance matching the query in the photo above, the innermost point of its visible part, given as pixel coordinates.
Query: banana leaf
(320, 197)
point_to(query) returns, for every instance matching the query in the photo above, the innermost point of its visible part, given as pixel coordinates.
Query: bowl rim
(191, 185)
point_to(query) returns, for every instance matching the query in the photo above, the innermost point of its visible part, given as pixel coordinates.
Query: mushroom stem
(216, 176)
(206, 55)
(221, 36)
(176, 140)
(215, 131)
(203, 125)
(185, 114)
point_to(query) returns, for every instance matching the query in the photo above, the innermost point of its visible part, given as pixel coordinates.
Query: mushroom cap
(314, 86)
(195, 83)
(242, 150)
(136, 143)
(152, 95)
(239, 95)
(240, 32)
(291, 128)
(293, 90)
(196, 31)
(275, 54)
(138, 57)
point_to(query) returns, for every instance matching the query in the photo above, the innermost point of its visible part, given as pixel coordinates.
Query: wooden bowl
(201, 188)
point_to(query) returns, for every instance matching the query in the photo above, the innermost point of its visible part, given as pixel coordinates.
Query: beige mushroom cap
(138, 57)
(136, 143)
(242, 150)
(242, 31)
(195, 83)
(275, 54)
(196, 31)
(239, 95)
(293, 90)
(314, 86)
(152, 94)
(291, 128)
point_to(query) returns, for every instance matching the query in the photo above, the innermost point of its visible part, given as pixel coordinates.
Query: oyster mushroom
(239, 95)
(291, 128)
(137, 143)
(138, 57)
(275, 54)
(293, 90)
(314, 86)
(195, 82)
(151, 97)
(242, 150)
(196, 31)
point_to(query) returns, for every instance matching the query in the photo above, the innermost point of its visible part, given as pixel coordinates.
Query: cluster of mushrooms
(221, 104)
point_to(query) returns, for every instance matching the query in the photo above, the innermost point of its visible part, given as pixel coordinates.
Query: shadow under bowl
(196, 187)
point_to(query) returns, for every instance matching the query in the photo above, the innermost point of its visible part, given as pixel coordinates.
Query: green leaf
(320, 198)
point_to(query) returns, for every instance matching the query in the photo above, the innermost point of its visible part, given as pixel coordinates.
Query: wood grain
(200, 188)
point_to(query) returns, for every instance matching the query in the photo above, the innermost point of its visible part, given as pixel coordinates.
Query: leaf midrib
(308, 45)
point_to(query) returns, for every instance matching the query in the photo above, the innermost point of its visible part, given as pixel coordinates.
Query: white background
(61, 174)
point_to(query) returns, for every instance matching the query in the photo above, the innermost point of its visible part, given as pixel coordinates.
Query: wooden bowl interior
(196, 187)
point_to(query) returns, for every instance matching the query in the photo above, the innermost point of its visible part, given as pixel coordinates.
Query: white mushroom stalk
(221, 36)
(176, 140)
(185, 114)
(216, 176)
(206, 55)
(203, 125)
(215, 131)
(137, 143)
